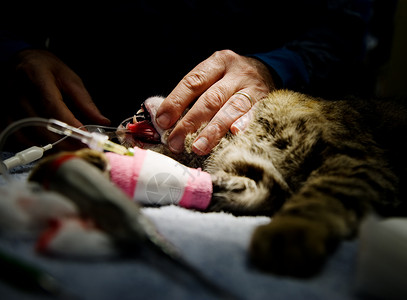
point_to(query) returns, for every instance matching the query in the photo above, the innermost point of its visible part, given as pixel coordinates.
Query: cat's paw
(96, 158)
(291, 246)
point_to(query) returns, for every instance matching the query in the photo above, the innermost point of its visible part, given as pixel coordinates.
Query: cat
(316, 167)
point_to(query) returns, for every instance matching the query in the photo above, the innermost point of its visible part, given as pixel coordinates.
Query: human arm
(213, 84)
(320, 52)
(34, 81)
(323, 55)
(46, 79)
(37, 83)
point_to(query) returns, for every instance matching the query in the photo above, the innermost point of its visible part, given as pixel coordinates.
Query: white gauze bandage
(155, 179)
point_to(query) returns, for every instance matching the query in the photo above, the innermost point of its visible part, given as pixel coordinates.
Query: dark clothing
(128, 50)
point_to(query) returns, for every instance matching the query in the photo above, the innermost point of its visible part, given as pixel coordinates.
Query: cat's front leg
(299, 239)
(310, 225)
(246, 186)
(292, 246)
(326, 210)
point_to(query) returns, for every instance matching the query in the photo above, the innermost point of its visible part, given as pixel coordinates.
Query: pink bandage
(155, 179)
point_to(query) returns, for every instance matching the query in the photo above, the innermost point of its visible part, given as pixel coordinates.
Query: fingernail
(237, 127)
(241, 124)
(176, 144)
(163, 121)
(201, 145)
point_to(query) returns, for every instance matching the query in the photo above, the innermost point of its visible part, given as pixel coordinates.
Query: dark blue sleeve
(329, 48)
(288, 66)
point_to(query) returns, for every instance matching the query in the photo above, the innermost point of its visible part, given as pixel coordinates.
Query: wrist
(270, 77)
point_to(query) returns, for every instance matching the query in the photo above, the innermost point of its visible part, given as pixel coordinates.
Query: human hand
(42, 86)
(225, 87)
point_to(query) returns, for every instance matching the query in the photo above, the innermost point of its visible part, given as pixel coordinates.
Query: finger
(210, 136)
(189, 89)
(51, 100)
(243, 122)
(40, 136)
(205, 108)
(76, 90)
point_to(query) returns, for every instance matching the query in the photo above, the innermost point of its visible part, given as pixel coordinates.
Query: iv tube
(94, 140)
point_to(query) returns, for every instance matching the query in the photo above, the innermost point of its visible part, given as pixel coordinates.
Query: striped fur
(317, 167)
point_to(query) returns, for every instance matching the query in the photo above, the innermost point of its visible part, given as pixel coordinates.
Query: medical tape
(155, 179)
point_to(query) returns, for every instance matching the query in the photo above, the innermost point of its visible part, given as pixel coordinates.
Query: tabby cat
(316, 166)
